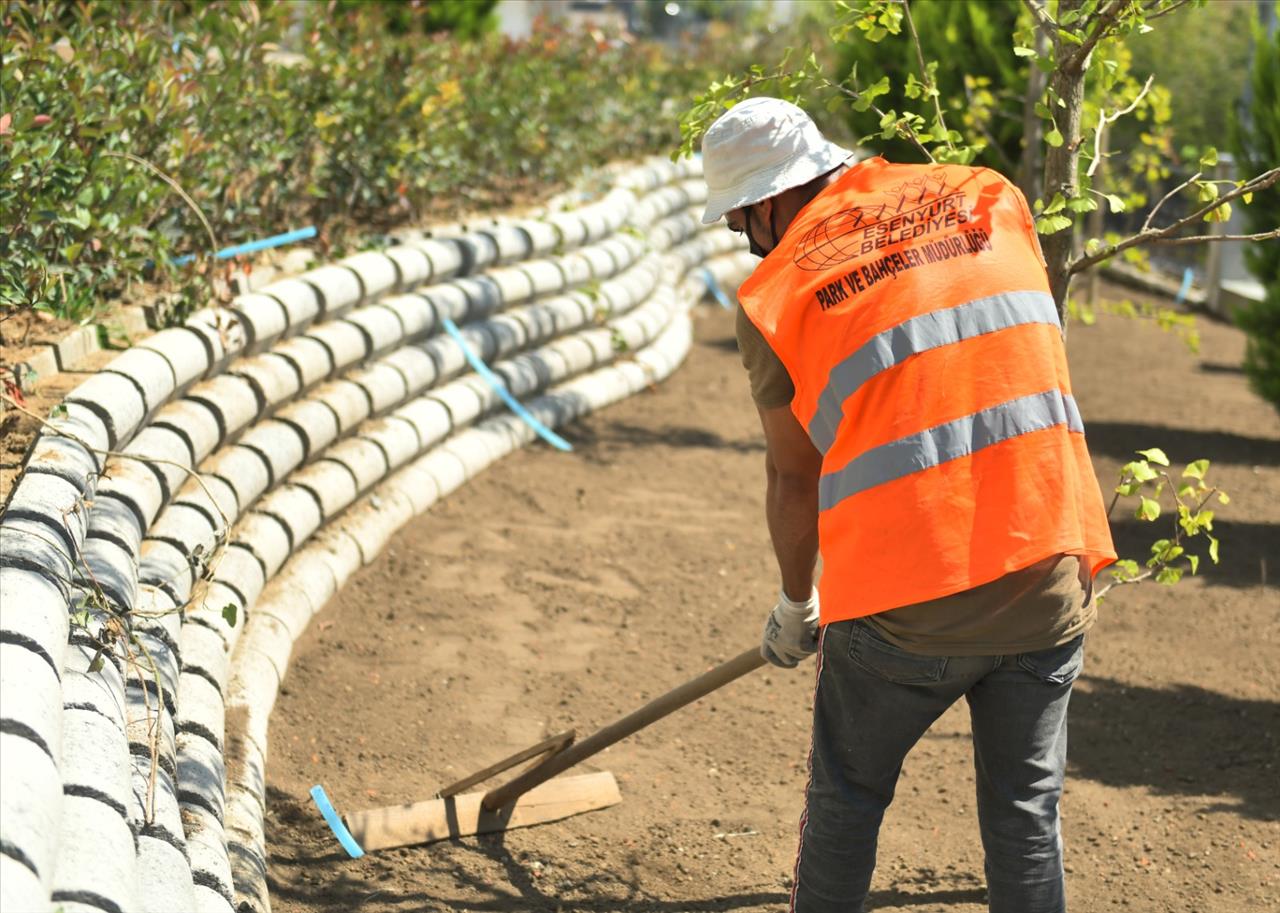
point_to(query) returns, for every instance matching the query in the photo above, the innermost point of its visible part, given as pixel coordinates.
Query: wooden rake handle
(651, 712)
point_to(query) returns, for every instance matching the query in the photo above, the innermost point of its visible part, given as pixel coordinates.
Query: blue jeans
(873, 702)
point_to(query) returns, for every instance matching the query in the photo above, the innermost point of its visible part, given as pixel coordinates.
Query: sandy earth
(564, 590)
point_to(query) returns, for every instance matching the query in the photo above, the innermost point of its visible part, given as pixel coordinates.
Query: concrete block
(445, 256)
(412, 263)
(274, 377)
(567, 313)
(383, 385)
(30, 696)
(416, 314)
(311, 359)
(374, 521)
(232, 400)
(188, 527)
(447, 356)
(150, 371)
(381, 327)
(116, 400)
(576, 353)
(462, 402)
(508, 334)
(31, 803)
(338, 288)
(280, 444)
(331, 483)
(538, 320)
(576, 269)
(114, 570)
(347, 343)
(478, 338)
(201, 773)
(68, 446)
(445, 469)
(113, 519)
(218, 340)
(315, 421)
(299, 299)
(543, 238)
(266, 537)
(597, 222)
(429, 418)
(202, 713)
(378, 273)
(184, 350)
(33, 611)
(514, 284)
(149, 725)
(417, 485)
(244, 470)
(601, 261)
(204, 654)
(528, 373)
(54, 504)
(207, 848)
(341, 554)
(484, 391)
(479, 251)
(166, 452)
(137, 486)
(166, 566)
(448, 299)
(512, 243)
(20, 888)
(571, 229)
(95, 752)
(254, 684)
(484, 296)
(416, 367)
(308, 574)
(348, 401)
(75, 346)
(364, 459)
(96, 857)
(195, 422)
(546, 276)
(164, 877)
(240, 569)
(263, 319)
(296, 508)
(162, 650)
(212, 495)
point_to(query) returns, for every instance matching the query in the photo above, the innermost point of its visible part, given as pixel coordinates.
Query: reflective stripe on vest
(919, 334)
(949, 441)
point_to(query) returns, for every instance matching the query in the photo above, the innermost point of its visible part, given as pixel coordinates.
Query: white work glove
(791, 631)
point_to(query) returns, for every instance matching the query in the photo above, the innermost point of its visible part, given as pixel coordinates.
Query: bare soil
(560, 591)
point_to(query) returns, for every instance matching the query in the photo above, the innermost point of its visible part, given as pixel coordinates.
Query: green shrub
(1257, 149)
(267, 124)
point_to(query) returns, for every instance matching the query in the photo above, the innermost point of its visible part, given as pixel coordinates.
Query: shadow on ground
(1183, 741)
(1122, 440)
(587, 436)
(1247, 554)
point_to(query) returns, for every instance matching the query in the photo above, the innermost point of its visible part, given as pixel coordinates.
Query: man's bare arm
(792, 468)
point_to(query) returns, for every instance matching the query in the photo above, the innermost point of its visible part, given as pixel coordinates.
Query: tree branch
(1039, 13)
(1164, 12)
(1104, 119)
(1163, 235)
(1103, 24)
(1146, 223)
(924, 73)
(1199, 239)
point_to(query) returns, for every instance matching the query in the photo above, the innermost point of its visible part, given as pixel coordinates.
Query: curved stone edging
(282, 382)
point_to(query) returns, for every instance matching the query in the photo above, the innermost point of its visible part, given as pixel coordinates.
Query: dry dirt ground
(564, 590)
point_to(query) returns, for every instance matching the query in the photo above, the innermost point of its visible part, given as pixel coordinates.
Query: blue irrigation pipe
(334, 820)
(478, 365)
(289, 237)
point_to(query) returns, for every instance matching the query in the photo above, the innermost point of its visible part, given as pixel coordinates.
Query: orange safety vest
(911, 308)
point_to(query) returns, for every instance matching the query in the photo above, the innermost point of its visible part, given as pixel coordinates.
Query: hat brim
(773, 181)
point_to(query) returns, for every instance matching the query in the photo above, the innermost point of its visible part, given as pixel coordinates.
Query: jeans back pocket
(881, 658)
(1057, 665)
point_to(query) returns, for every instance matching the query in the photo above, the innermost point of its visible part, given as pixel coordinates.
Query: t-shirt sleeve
(771, 385)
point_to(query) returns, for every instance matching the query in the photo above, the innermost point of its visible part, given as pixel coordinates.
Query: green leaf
(1194, 561)
(1116, 204)
(1169, 575)
(1196, 470)
(1222, 498)
(229, 614)
(1213, 549)
(1048, 225)
(1209, 159)
(1155, 455)
(1148, 510)
(1053, 138)
(1024, 52)
(1055, 205)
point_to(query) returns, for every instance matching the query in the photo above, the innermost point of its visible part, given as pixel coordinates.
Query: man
(907, 362)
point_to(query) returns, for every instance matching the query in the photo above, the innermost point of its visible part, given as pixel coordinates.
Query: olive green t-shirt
(1035, 608)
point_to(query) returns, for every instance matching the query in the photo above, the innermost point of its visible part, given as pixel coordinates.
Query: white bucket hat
(759, 148)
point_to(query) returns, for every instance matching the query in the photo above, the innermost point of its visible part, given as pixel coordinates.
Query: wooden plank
(555, 743)
(462, 816)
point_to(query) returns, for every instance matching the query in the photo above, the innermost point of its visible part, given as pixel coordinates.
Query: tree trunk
(1028, 177)
(1060, 171)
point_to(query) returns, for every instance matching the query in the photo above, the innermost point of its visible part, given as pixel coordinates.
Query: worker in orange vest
(906, 358)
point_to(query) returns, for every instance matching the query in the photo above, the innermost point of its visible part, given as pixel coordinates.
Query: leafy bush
(132, 133)
(1258, 148)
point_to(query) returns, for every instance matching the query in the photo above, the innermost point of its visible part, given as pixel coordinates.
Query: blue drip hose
(249, 247)
(335, 823)
(500, 388)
